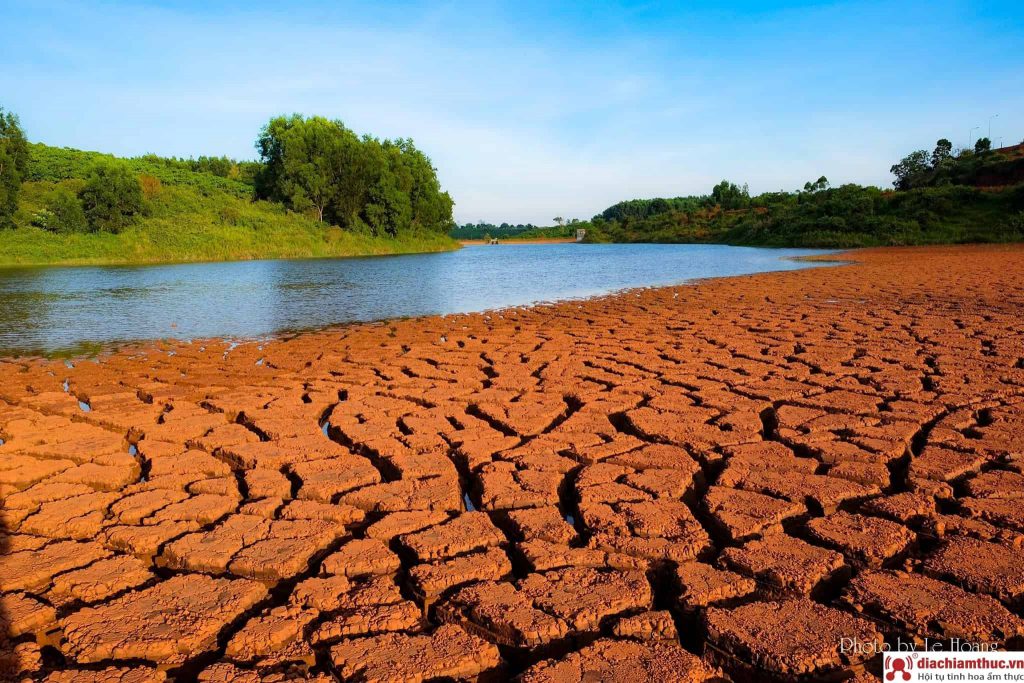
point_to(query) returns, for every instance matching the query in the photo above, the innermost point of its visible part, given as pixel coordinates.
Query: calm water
(56, 309)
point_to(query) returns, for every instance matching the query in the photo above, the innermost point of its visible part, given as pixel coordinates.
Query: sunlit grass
(185, 224)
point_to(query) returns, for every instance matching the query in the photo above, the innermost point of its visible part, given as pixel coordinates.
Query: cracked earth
(707, 482)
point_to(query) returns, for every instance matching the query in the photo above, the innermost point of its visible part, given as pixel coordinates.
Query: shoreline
(440, 247)
(92, 350)
(778, 438)
(536, 240)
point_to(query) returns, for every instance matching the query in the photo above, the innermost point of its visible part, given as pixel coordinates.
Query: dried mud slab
(785, 565)
(502, 614)
(169, 623)
(742, 515)
(865, 541)
(980, 567)
(788, 639)
(700, 585)
(465, 533)
(929, 608)
(583, 597)
(545, 492)
(622, 662)
(449, 652)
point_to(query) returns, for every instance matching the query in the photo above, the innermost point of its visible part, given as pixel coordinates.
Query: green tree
(911, 171)
(13, 165)
(431, 207)
(730, 195)
(66, 212)
(111, 197)
(942, 153)
(312, 164)
(320, 165)
(982, 145)
(817, 186)
(388, 209)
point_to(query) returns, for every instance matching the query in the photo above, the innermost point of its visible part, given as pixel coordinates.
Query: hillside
(842, 217)
(187, 215)
(940, 197)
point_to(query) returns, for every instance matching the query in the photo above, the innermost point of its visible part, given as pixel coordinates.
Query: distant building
(580, 234)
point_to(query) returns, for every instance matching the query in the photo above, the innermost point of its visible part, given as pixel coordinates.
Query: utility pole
(970, 137)
(994, 116)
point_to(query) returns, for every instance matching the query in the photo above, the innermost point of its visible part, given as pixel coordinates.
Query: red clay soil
(705, 482)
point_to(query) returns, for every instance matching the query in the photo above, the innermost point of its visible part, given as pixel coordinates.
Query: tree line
(319, 165)
(938, 197)
(314, 166)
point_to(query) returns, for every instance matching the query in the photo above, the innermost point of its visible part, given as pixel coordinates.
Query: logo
(898, 665)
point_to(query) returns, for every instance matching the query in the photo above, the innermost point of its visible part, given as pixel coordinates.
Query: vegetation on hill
(505, 231)
(318, 191)
(942, 197)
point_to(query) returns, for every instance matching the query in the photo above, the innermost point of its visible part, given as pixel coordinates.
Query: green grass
(185, 223)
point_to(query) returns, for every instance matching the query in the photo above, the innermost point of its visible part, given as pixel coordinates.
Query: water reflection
(50, 309)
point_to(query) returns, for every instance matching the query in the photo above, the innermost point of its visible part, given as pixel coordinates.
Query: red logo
(901, 665)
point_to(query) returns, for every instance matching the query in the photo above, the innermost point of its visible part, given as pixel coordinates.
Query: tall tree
(982, 145)
(303, 159)
(320, 165)
(730, 195)
(911, 171)
(942, 153)
(13, 165)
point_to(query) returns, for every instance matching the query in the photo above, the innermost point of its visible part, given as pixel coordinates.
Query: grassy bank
(187, 216)
(174, 242)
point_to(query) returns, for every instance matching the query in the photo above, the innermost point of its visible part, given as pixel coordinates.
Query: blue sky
(529, 109)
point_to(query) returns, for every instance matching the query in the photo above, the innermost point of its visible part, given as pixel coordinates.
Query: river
(67, 309)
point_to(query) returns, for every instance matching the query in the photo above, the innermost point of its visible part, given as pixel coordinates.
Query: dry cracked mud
(708, 482)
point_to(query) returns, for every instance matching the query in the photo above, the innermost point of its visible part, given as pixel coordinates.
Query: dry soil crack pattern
(710, 482)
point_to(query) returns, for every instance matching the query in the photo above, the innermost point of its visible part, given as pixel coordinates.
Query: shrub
(151, 186)
(66, 213)
(229, 214)
(112, 196)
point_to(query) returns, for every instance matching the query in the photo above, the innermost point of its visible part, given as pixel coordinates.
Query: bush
(229, 214)
(65, 212)
(112, 196)
(151, 186)
(56, 163)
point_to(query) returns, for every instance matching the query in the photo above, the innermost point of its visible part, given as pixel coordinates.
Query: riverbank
(180, 240)
(513, 240)
(65, 311)
(782, 434)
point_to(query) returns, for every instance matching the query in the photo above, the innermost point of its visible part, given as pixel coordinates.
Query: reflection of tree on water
(25, 306)
(304, 295)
